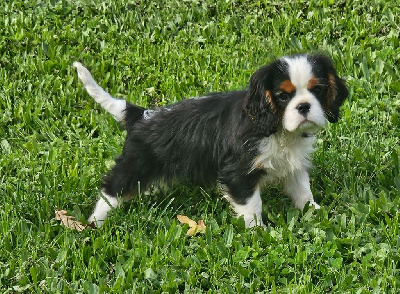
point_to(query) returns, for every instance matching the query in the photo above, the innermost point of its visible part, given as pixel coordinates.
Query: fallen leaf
(195, 228)
(185, 220)
(69, 221)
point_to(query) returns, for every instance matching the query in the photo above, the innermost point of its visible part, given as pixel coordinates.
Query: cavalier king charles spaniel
(239, 140)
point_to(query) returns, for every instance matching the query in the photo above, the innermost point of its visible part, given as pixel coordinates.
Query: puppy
(240, 140)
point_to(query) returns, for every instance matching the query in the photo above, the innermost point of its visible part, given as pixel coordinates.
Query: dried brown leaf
(195, 228)
(185, 220)
(69, 221)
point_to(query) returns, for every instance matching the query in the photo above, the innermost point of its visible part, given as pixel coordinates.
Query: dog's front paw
(254, 222)
(315, 204)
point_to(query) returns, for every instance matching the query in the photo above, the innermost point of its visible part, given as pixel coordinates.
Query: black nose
(303, 108)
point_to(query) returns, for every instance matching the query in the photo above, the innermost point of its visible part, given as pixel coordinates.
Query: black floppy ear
(337, 90)
(337, 93)
(258, 104)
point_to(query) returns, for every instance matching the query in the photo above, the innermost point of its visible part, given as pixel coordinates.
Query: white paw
(252, 222)
(93, 220)
(316, 206)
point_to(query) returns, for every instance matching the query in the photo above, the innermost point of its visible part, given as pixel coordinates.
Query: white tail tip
(114, 106)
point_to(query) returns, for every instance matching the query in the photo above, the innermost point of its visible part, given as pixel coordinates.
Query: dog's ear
(337, 90)
(337, 93)
(258, 104)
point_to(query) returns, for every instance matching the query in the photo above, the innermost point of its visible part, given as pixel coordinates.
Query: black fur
(323, 68)
(133, 113)
(257, 105)
(197, 140)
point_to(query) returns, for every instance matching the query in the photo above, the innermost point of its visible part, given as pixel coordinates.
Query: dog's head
(297, 93)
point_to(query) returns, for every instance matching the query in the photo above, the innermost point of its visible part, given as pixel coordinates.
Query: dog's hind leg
(121, 183)
(103, 206)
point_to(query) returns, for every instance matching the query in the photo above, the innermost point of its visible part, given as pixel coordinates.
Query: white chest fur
(283, 153)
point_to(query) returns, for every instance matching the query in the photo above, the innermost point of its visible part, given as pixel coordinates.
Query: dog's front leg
(297, 186)
(249, 208)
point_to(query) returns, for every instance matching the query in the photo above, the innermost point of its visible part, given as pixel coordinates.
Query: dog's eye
(317, 90)
(282, 96)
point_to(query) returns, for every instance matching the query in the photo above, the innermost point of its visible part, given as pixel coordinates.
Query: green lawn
(55, 143)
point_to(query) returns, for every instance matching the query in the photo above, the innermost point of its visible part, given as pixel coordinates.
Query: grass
(55, 143)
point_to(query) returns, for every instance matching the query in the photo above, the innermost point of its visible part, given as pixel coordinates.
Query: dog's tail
(121, 110)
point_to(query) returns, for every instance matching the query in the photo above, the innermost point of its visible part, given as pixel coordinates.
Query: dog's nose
(303, 108)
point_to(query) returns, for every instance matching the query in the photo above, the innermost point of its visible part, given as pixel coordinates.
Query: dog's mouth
(307, 123)
(308, 127)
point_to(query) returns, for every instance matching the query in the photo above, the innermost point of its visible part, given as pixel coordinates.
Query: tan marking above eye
(312, 83)
(287, 86)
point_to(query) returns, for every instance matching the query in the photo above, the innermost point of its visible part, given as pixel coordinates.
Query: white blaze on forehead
(300, 70)
(300, 74)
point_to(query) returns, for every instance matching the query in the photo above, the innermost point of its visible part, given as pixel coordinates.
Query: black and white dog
(239, 140)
